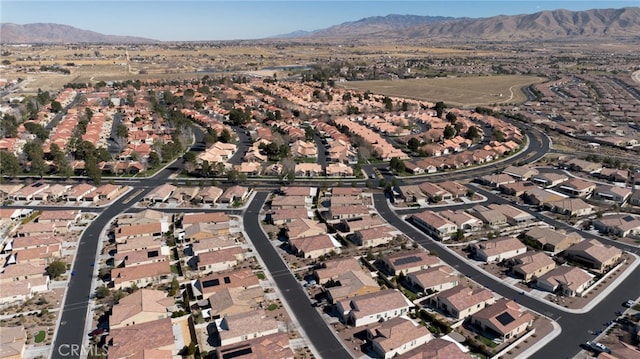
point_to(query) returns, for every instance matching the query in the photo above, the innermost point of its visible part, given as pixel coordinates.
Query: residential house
(577, 164)
(209, 194)
(330, 270)
(314, 246)
(496, 180)
(541, 197)
(413, 194)
(283, 216)
(211, 217)
(594, 255)
(490, 217)
(434, 192)
(237, 328)
(434, 279)
(289, 202)
(217, 261)
(141, 275)
(230, 301)
(621, 225)
(351, 283)
(79, 192)
(574, 207)
(12, 342)
(304, 149)
(568, 281)
(274, 346)
(462, 220)
(461, 301)
(338, 170)
(235, 194)
(435, 225)
(348, 212)
(154, 339)
(551, 179)
(577, 187)
(304, 227)
(397, 336)
(143, 305)
(456, 189)
(517, 189)
(514, 215)
(160, 193)
(197, 231)
(613, 193)
(550, 240)
(374, 237)
(437, 348)
(205, 286)
(614, 174)
(308, 170)
(504, 318)
(373, 307)
(124, 233)
(365, 222)
(499, 249)
(531, 265)
(408, 261)
(522, 173)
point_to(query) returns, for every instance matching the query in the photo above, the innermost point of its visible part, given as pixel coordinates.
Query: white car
(630, 303)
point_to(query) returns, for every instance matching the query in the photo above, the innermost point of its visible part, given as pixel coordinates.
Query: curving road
(575, 326)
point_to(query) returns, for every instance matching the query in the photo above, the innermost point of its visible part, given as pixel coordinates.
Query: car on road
(630, 303)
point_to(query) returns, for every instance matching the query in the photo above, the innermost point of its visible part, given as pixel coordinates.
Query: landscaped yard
(39, 337)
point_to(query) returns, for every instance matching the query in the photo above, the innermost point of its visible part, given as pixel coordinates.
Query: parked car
(98, 332)
(598, 347)
(630, 303)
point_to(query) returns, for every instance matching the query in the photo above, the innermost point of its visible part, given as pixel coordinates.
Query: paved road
(71, 332)
(318, 332)
(574, 326)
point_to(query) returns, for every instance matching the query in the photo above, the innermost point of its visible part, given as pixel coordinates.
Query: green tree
(154, 159)
(56, 106)
(37, 129)
(225, 136)
(498, 135)
(397, 165)
(175, 286)
(102, 292)
(472, 133)
(449, 132)
(439, 107)
(388, 103)
(9, 164)
(56, 269)
(451, 117)
(122, 131)
(93, 171)
(413, 143)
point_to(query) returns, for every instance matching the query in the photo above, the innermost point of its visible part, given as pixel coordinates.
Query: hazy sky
(227, 20)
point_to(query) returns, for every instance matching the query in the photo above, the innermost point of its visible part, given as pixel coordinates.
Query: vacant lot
(458, 91)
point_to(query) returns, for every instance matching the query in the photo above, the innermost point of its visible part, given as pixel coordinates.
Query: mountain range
(544, 25)
(42, 33)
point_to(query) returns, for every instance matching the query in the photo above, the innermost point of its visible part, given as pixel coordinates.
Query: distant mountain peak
(57, 33)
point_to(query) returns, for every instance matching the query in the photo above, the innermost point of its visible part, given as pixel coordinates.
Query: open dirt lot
(459, 91)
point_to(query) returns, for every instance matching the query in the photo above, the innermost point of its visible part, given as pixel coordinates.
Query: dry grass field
(458, 91)
(93, 63)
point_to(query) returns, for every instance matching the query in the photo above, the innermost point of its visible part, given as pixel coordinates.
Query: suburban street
(318, 332)
(575, 326)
